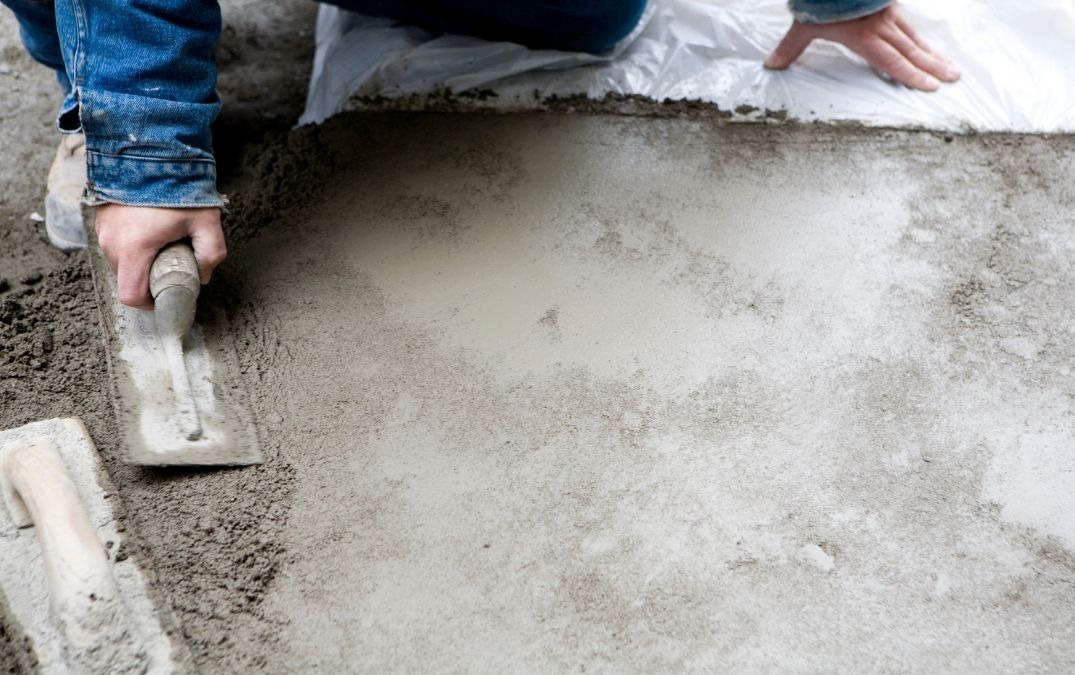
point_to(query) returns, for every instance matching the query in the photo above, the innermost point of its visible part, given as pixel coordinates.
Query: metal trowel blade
(142, 387)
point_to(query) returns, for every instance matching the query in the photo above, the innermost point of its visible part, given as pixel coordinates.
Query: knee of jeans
(605, 23)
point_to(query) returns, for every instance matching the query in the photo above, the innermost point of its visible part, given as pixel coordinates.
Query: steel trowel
(176, 384)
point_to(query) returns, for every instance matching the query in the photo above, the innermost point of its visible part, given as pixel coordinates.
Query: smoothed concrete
(592, 393)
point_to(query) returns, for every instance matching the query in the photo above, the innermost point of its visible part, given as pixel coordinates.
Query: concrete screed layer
(548, 393)
(567, 393)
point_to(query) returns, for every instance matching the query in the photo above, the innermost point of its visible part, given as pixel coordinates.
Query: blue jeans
(570, 25)
(140, 80)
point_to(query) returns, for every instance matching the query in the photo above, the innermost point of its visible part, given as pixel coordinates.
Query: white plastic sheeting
(1016, 57)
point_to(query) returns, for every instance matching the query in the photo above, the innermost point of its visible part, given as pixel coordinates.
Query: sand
(586, 392)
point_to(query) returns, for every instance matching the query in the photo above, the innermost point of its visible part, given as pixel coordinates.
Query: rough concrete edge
(632, 105)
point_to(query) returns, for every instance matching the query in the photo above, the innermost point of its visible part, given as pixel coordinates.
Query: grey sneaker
(63, 203)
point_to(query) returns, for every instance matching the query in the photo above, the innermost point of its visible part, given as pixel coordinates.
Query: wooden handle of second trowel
(175, 265)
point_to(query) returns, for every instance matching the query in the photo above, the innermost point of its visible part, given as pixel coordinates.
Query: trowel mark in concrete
(738, 382)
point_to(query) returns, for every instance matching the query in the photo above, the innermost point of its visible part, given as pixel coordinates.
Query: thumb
(797, 39)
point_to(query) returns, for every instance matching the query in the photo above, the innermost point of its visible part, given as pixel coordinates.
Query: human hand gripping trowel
(177, 388)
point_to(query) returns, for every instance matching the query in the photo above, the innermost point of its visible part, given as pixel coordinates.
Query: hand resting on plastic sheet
(884, 39)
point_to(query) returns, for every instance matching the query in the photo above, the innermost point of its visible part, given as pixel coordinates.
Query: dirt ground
(525, 459)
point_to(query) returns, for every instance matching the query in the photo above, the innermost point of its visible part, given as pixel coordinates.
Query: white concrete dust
(587, 392)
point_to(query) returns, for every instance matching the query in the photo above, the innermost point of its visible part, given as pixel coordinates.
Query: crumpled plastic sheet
(1016, 57)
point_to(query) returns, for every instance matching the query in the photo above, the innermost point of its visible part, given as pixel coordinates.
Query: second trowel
(177, 391)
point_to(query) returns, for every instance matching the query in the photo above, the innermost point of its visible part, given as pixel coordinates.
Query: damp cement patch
(573, 392)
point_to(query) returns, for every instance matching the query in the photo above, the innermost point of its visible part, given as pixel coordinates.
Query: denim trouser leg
(141, 86)
(572, 25)
(37, 26)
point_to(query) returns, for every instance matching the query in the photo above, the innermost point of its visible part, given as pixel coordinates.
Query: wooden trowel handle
(174, 283)
(175, 265)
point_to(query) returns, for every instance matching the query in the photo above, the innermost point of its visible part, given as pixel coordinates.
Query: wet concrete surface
(577, 393)
(581, 392)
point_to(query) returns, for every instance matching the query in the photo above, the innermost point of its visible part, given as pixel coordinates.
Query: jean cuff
(832, 11)
(151, 181)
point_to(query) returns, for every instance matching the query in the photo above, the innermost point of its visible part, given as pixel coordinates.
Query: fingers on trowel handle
(175, 265)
